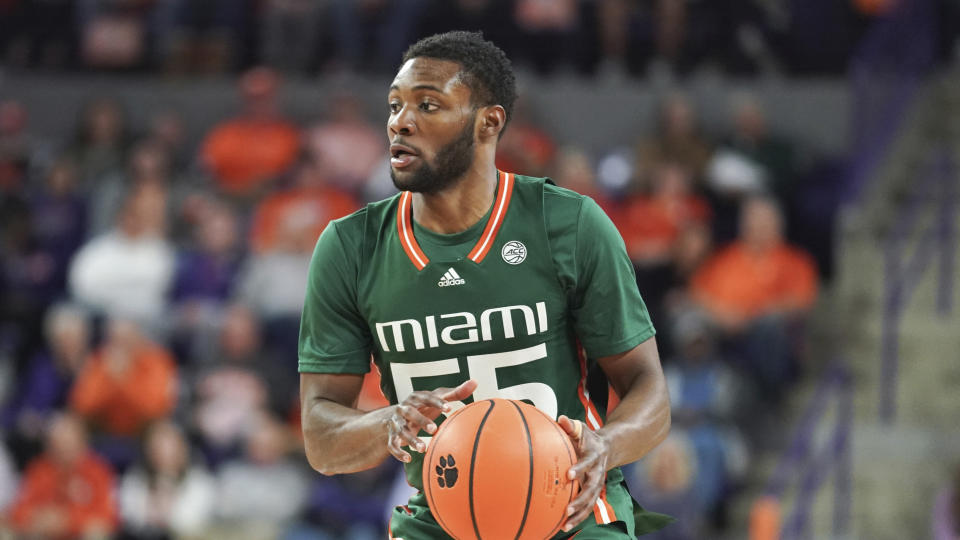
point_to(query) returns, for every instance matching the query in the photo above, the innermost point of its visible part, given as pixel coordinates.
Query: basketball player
(475, 283)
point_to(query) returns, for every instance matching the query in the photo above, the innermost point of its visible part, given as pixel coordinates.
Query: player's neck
(461, 206)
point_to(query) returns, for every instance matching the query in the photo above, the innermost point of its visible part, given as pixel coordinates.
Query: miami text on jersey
(464, 324)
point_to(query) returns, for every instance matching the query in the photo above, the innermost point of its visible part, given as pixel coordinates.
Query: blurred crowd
(307, 36)
(150, 293)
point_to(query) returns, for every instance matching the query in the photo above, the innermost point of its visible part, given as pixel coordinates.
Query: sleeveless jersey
(507, 302)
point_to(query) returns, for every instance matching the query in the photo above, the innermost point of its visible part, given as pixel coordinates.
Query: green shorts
(616, 516)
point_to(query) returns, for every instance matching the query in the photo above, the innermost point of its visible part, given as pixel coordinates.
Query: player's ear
(492, 120)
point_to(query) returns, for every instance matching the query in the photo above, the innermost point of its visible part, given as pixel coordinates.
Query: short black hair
(486, 68)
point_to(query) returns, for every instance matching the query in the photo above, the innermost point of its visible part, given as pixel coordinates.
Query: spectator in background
(166, 496)
(345, 149)
(240, 379)
(751, 161)
(124, 385)
(204, 36)
(526, 147)
(706, 397)
(59, 217)
(45, 386)
(677, 140)
(755, 290)
(206, 273)
(20, 152)
(260, 495)
(667, 478)
(68, 491)
(246, 153)
(148, 164)
(128, 269)
(575, 171)
(273, 282)
(652, 223)
(101, 141)
(550, 31)
(946, 510)
(289, 29)
(167, 130)
(752, 139)
(312, 203)
(371, 35)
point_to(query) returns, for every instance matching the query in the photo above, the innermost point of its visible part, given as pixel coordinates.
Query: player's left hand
(590, 470)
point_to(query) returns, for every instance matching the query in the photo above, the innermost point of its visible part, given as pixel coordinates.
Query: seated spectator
(125, 384)
(28, 278)
(129, 269)
(148, 163)
(20, 151)
(202, 36)
(68, 491)
(312, 203)
(345, 149)
(240, 379)
(59, 216)
(273, 283)
(165, 495)
(101, 141)
(706, 397)
(259, 495)
(946, 510)
(526, 148)
(753, 139)
(207, 268)
(290, 34)
(45, 386)
(549, 29)
(755, 289)
(677, 140)
(651, 224)
(372, 34)
(246, 153)
(667, 478)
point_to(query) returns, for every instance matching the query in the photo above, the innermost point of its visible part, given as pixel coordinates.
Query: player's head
(454, 93)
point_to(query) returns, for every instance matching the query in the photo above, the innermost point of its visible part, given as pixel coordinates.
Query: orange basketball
(498, 469)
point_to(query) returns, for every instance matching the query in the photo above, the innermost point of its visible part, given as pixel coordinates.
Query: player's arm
(637, 425)
(341, 439)
(614, 327)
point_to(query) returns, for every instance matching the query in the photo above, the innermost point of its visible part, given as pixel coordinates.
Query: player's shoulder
(355, 225)
(555, 198)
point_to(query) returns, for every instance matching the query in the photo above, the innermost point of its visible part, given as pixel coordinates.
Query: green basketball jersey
(522, 302)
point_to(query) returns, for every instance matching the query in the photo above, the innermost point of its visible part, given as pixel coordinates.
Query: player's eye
(394, 107)
(426, 106)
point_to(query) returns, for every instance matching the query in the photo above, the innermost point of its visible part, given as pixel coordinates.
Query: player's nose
(401, 122)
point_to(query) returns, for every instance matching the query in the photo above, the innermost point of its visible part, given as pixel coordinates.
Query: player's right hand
(418, 412)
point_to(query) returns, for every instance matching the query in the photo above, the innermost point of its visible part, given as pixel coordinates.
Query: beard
(449, 166)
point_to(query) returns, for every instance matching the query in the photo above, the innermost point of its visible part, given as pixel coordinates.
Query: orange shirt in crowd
(83, 495)
(314, 207)
(747, 283)
(122, 404)
(651, 225)
(242, 154)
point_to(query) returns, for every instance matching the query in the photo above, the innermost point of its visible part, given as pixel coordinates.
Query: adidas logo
(451, 278)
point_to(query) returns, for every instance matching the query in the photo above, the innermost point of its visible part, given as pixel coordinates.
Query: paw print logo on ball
(447, 473)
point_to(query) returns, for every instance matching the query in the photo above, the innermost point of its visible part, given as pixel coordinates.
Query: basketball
(498, 469)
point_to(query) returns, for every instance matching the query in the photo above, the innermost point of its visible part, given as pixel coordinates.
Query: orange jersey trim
(594, 421)
(405, 230)
(500, 205)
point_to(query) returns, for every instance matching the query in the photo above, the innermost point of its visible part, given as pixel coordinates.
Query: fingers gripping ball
(498, 469)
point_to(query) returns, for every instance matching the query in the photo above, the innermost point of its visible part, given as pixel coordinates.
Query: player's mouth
(402, 156)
